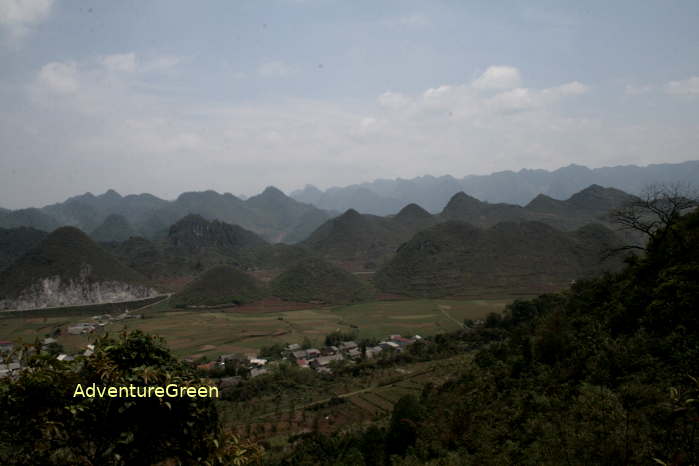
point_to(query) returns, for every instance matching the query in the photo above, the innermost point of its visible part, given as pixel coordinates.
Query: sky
(167, 96)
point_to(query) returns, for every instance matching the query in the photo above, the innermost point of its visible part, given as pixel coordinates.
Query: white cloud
(688, 87)
(164, 144)
(275, 69)
(513, 100)
(120, 62)
(18, 17)
(633, 89)
(571, 88)
(393, 100)
(59, 78)
(498, 78)
(130, 63)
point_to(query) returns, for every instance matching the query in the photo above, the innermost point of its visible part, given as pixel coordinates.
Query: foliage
(44, 423)
(220, 285)
(313, 279)
(604, 373)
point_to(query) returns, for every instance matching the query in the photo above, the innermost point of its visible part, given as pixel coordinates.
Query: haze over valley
(320, 232)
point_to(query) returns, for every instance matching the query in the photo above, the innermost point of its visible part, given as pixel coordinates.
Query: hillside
(359, 240)
(15, 242)
(194, 244)
(314, 280)
(364, 242)
(68, 268)
(114, 228)
(456, 258)
(591, 205)
(219, 285)
(602, 373)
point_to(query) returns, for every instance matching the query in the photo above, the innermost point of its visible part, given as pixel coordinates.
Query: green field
(212, 332)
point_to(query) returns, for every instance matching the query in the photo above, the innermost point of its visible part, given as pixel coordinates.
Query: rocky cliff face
(55, 292)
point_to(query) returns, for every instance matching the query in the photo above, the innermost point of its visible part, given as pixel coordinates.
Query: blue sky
(170, 96)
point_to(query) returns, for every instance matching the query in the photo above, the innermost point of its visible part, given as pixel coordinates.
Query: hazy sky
(167, 96)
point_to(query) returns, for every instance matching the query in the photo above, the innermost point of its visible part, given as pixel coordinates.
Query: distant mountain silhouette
(31, 217)
(271, 214)
(114, 228)
(15, 242)
(383, 197)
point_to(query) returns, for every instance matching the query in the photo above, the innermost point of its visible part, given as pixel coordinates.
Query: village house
(373, 351)
(389, 345)
(324, 361)
(257, 362)
(347, 345)
(6, 346)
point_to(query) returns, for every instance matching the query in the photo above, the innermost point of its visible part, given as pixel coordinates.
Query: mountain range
(384, 197)
(112, 217)
(469, 245)
(365, 241)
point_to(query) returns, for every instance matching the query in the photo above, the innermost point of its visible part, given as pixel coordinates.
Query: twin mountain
(468, 247)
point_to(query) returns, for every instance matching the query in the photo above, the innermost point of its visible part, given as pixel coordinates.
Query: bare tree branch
(655, 211)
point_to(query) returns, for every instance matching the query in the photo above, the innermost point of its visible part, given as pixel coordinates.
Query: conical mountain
(413, 217)
(220, 285)
(283, 219)
(68, 268)
(353, 236)
(114, 228)
(598, 199)
(194, 232)
(314, 280)
(546, 204)
(469, 209)
(456, 258)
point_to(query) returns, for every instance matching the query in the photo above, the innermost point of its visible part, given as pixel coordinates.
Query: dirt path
(443, 310)
(165, 297)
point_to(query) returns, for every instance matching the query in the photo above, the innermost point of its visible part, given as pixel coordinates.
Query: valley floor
(211, 332)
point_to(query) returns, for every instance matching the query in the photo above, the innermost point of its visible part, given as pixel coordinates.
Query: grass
(213, 332)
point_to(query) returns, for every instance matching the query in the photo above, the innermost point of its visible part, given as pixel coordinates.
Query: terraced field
(369, 398)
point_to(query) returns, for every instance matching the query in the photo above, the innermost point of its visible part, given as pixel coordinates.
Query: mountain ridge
(513, 187)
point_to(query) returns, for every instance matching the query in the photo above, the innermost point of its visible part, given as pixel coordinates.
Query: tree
(44, 422)
(655, 212)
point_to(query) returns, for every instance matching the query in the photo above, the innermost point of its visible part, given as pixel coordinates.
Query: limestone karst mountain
(68, 268)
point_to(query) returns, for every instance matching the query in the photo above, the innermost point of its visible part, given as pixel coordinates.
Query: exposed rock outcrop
(54, 292)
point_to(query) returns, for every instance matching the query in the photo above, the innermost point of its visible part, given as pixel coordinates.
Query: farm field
(210, 332)
(335, 404)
